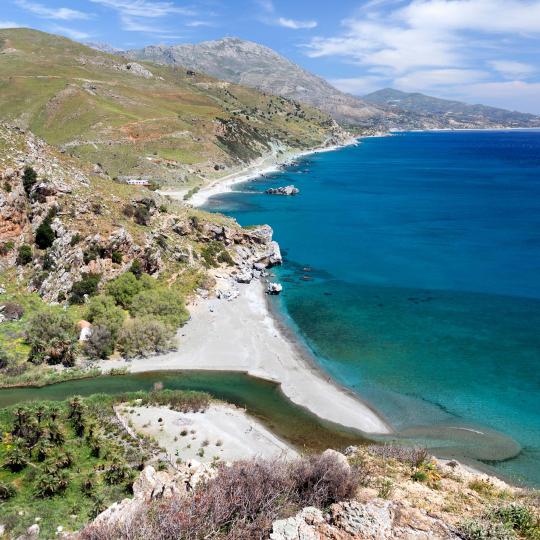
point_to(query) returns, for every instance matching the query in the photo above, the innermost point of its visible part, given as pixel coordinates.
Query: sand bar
(222, 432)
(241, 335)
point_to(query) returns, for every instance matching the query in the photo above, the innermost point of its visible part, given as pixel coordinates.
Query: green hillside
(142, 119)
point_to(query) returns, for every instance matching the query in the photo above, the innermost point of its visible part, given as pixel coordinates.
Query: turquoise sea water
(412, 270)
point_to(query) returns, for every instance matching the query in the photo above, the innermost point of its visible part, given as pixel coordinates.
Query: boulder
(285, 190)
(274, 288)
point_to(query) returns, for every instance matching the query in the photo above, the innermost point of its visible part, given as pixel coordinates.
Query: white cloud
(432, 79)
(71, 33)
(144, 8)
(62, 13)
(196, 24)
(9, 24)
(437, 44)
(519, 95)
(511, 69)
(296, 25)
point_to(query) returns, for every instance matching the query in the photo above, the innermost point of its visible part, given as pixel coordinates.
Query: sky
(479, 51)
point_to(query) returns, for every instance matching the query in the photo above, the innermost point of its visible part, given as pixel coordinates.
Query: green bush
(29, 179)
(124, 288)
(51, 483)
(520, 518)
(102, 311)
(24, 255)
(141, 337)
(6, 248)
(87, 286)
(116, 257)
(7, 491)
(136, 268)
(163, 304)
(44, 234)
(52, 337)
(485, 530)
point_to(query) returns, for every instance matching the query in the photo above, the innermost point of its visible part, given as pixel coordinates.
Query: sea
(412, 272)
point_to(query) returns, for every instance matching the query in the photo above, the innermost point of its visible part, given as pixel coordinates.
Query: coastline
(243, 335)
(267, 164)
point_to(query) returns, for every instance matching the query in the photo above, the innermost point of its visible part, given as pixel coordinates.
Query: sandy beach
(222, 432)
(266, 164)
(241, 335)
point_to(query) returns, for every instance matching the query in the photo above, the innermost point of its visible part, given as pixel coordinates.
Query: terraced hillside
(143, 120)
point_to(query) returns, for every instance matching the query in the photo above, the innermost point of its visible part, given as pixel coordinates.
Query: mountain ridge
(258, 66)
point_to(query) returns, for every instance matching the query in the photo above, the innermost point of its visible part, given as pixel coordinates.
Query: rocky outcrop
(150, 486)
(274, 288)
(285, 190)
(352, 520)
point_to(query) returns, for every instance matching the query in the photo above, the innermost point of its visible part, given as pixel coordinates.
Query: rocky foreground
(389, 501)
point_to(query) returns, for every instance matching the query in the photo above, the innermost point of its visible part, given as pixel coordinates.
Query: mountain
(251, 64)
(144, 121)
(257, 66)
(103, 47)
(454, 112)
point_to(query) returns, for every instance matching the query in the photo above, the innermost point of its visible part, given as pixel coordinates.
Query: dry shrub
(411, 455)
(240, 503)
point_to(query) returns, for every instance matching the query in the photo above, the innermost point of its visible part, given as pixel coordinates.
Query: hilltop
(456, 113)
(257, 66)
(144, 120)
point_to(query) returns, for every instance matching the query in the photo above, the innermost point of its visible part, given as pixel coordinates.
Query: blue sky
(480, 51)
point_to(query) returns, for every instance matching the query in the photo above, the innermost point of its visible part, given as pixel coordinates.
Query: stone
(285, 190)
(274, 288)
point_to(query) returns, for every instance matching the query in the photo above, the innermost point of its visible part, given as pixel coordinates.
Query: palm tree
(43, 448)
(16, 457)
(48, 484)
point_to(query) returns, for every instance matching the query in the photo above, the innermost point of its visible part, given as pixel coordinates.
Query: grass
(77, 504)
(120, 119)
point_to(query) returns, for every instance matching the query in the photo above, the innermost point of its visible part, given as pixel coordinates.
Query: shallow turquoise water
(412, 270)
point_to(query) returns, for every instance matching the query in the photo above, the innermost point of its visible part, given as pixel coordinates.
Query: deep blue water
(412, 270)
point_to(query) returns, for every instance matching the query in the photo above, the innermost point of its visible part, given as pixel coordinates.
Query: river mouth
(265, 401)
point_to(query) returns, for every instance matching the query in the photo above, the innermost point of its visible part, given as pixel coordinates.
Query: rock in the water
(284, 190)
(274, 288)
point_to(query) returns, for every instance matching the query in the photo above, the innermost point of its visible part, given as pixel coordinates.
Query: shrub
(51, 483)
(483, 530)
(7, 491)
(519, 518)
(163, 304)
(87, 286)
(75, 239)
(6, 248)
(24, 255)
(102, 311)
(241, 502)
(29, 179)
(44, 234)
(412, 455)
(6, 359)
(52, 337)
(142, 215)
(16, 457)
(140, 337)
(116, 257)
(100, 343)
(136, 268)
(124, 288)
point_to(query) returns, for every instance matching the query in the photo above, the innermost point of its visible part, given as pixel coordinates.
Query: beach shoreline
(244, 335)
(267, 164)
